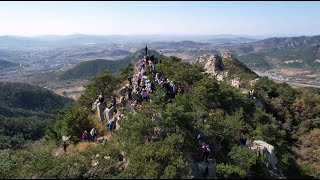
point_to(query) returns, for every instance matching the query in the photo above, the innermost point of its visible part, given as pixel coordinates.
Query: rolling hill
(6, 64)
(25, 113)
(89, 69)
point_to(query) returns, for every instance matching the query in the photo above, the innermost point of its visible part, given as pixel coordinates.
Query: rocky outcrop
(227, 55)
(109, 113)
(100, 109)
(203, 170)
(123, 91)
(211, 63)
(236, 82)
(267, 150)
(253, 82)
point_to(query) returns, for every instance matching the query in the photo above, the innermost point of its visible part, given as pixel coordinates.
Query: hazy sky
(118, 18)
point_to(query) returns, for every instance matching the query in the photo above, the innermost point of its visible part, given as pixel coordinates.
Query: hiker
(129, 92)
(173, 89)
(100, 98)
(146, 48)
(159, 80)
(113, 102)
(101, 107)
(64, 145)
(111, 125)
(152, 69)
(139, 79)
(200, 137)
(142, 67)
(144, 85)
(144, 95)
(123, 101)
(160, 74)
(84, 136)
(119, 118)
(159, 60)
(130, 81)
(152, 87)
(157, 76)
(139, 98)
(93, 134)
(206, 150)
(243, 141)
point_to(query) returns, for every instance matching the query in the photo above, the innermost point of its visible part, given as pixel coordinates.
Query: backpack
(207, 148)
(92, 132)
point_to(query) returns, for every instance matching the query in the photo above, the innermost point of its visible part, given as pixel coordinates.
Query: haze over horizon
(165, 18)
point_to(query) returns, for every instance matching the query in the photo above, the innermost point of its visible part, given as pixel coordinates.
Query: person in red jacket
(206, 150)
(85, 136)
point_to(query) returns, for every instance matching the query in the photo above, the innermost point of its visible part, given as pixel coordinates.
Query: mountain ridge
(159, 139)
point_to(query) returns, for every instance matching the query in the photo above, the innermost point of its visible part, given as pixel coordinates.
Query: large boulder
(267, 150)
(202, 170)
(123, 91)
(100, 109)
(236, 82)
(221, 76)
(109, 113)
(94, 105)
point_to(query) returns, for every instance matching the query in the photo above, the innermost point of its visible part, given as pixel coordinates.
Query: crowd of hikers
(138, 91)
(140, 87)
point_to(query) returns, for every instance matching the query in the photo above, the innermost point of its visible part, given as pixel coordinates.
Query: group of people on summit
(138, 90)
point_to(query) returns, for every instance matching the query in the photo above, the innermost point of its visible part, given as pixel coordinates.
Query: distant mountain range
(301, 52)
(80, 39)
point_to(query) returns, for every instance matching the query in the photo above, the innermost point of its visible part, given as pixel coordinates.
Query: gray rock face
(236, 82)
(109, 113)
(122, 91)
(202, 170)
(227, 55)
(267, 150)
(94, 105)
(100, 109)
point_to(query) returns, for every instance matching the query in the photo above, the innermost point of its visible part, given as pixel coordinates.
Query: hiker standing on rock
(146, 50)
(129, 92)
(64, 145)
(206, 150)
(113, 103)
(159, 60)
(130, 81)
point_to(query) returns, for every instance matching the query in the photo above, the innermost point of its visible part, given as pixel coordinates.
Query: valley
(42, 62)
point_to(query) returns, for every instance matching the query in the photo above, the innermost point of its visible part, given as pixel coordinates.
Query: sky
(33, 18)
